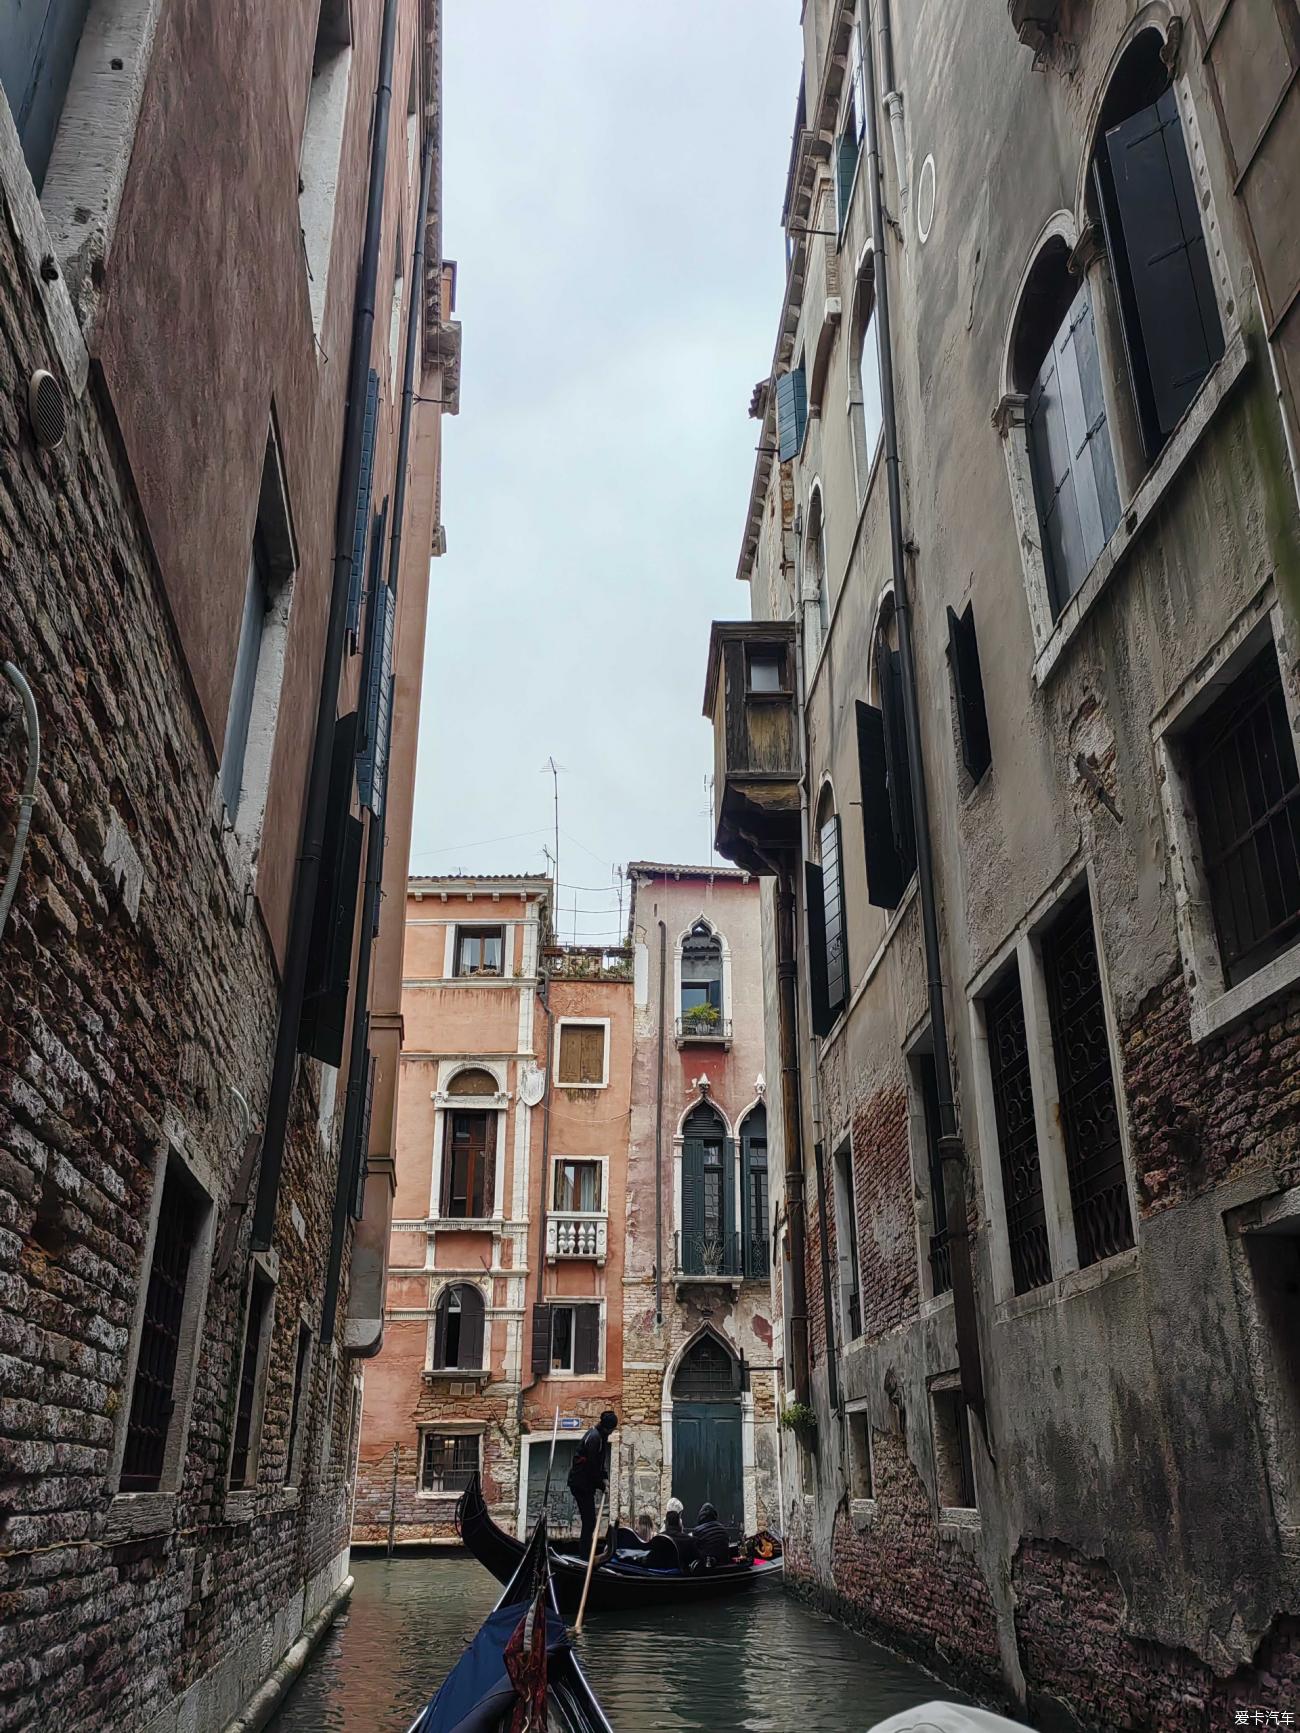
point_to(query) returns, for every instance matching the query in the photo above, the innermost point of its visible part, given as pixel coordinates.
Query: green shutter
(329, 954)
(822, 1017)
(692, 1205)
(791, 413)
(885, 877)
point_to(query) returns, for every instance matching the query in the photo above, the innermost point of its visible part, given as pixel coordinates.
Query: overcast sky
(612, 183)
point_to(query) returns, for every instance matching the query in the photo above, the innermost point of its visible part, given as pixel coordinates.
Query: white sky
(612, 186)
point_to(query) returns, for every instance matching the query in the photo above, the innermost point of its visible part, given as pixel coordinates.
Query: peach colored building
(504, 1288)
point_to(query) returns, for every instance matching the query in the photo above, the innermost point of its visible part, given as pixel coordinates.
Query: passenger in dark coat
(712, 1541)
(589, 1475)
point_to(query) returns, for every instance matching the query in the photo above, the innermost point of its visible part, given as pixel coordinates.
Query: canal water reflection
(762, 1663)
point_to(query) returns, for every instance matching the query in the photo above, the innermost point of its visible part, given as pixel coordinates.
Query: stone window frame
(327, 100)
(1215, 1008)
(134, 1514)
(599, 1161)
(918, 1045)
(445, 1429)
(862, 309)
(555, 1302)
(604, 1023)
(952, 1517)
(240, 1500)
(1142, 486)
(844, 1208)
(66, 232)
(862, 1504)
(295, 1462)
(507, 977)
(444, 1105)
(725, 951)
(1022, 950)
(441, 1281)
(1268, 1217)
(273, 535)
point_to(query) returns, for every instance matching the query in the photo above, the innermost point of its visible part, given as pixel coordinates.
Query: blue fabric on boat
(477, 1692)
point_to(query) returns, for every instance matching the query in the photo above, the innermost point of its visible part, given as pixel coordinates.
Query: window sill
(560, 1084)
(959, 1522)
(240, 1507)
(438, 1497)
(466, 1224)
(139, 1515)
(575, 1377)
(287, 1498)
(933, 1304)
(456, 1374)
(1069, 1286)
(1142, 508)
(862, 1514)
(1216, 1016)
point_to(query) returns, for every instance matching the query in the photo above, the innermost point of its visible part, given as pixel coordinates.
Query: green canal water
(763, 1662)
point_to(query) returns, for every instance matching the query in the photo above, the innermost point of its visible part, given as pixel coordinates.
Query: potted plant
(800, 1419)
(702, 1019)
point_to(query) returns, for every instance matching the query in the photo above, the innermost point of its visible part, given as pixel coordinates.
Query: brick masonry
(137, 988)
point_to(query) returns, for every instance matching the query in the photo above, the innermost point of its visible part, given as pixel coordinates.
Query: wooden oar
(591, 1564)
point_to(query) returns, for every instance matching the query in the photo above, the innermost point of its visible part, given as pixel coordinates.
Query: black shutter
(586, 1339)
(471, 1329)
(329, 955)
(541, 1340)
(885, 876)
(440, 1331)
(1153, 219)
(821, 1004)
(361, 521)
(834, 917)
(896, 756)
(968, 685)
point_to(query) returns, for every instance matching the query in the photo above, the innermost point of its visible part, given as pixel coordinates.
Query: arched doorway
(707, 1462)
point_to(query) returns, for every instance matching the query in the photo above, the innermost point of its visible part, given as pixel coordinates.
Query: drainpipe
(345, 1184)
(792, 1131)
(951, 1146)
(307, 877)
(659, 1130)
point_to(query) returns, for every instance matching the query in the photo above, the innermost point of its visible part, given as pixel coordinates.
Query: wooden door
(707, 1461)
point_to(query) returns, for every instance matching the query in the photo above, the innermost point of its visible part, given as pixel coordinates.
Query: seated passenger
(645, 1527)
(711, 1539)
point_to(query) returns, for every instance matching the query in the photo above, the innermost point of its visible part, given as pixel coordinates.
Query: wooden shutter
(791, 413)
(1153, 228)
(898, 762)
(885, 877)
(361, 520)
(692, 1205)
(487, 1168)
(541, 1340)
(362, 1153)
(377, 687)
(834, 920)
(329, 955)
(1070, 454)
(586, 1339)
(471, 1330)
(729, 1191)
(582, 1054)
(968, 687)
(822, 1017)
(440, 1331)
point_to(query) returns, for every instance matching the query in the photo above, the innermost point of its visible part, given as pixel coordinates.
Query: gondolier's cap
(674, 1507)
(608, 1420)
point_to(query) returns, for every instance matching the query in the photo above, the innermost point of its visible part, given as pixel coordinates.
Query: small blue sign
(570, 1423)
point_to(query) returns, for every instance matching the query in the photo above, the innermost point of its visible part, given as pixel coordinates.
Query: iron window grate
(152, 1400)
(248, 1369)
(1013, 1101)
(1247, 793)
(1094, 1155)
(449, 1461)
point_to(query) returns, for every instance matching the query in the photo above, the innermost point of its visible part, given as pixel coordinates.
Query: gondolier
(589, 1474)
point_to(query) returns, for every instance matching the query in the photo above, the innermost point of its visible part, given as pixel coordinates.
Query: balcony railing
(570, 1234)
(729, 1257)
(587, 962)
(696, 1026)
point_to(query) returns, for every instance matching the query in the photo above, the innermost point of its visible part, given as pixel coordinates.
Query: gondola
(477, 1696)
(616, 1583)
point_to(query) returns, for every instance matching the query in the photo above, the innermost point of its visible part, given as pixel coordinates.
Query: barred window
(447, 1461)
(1013, 1103)
(153, 1389)
(1094, 1155)
(1246, 789)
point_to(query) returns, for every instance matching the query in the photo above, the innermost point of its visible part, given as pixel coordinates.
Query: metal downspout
(950, 1142)
(307, 877)
(659, 1130)
(346, 1181)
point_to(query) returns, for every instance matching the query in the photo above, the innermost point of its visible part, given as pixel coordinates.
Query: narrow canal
(762, 1662)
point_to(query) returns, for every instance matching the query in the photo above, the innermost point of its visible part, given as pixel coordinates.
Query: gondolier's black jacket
(590, 1469)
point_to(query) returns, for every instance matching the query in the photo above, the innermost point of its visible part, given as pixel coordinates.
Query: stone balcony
(576, 1234)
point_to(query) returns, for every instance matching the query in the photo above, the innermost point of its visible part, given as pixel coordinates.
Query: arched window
(827, 923)
(889, 830)
(458, 1329)
(708, 1242)
(1056, 368)
(866, 409)
(753, 1192)
(816, 600)
(473, 1081)
(1143, 191)
(701, 1004)
(707, 1372)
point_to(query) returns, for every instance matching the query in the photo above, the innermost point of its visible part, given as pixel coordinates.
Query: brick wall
(1201, 1116)
(136, 985)
(882, 1181)
(417, 1516)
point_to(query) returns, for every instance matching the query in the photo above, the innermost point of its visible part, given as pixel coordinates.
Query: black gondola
(615, 1583)
(477, 1696)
